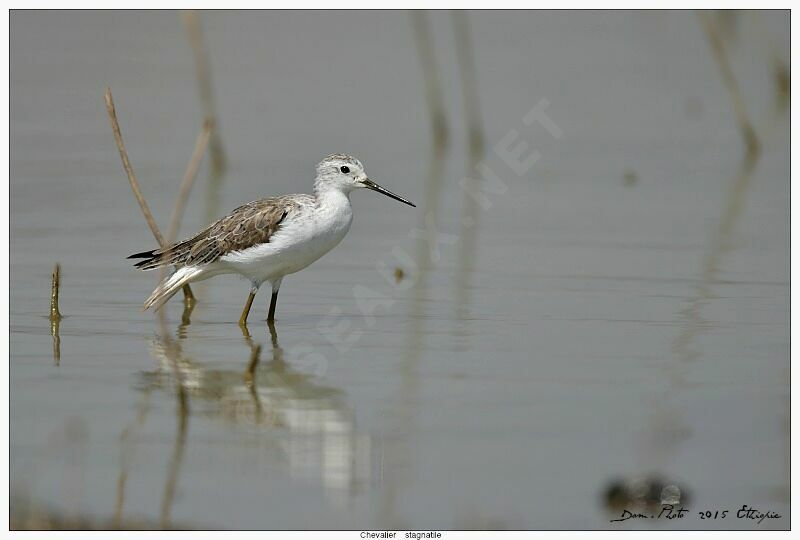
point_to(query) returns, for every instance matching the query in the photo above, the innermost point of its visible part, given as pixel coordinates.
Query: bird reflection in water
(311, 423)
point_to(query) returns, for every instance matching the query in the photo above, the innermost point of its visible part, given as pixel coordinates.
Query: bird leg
(276, 285)
(246, 310)
(272, 303)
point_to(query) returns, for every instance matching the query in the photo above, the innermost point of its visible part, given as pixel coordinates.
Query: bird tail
(171, 285)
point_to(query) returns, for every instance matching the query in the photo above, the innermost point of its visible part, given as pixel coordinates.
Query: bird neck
(331, 195)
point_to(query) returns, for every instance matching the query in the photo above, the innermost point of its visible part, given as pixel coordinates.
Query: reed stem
(137, 192)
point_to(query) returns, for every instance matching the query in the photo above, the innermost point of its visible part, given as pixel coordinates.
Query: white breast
(302, 238)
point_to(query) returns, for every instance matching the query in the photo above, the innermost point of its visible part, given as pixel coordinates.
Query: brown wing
(249, 225)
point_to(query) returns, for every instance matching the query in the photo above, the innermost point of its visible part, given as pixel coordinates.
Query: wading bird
(267, 239)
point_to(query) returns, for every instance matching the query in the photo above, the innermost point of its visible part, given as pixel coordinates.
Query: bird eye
(345, 169)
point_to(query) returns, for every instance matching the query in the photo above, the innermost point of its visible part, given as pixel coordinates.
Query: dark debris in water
(643, 493)
(783, 82)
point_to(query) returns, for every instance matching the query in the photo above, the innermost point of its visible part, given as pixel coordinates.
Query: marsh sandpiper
(267, 239)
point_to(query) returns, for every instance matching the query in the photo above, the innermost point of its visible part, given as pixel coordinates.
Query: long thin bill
(375, 187)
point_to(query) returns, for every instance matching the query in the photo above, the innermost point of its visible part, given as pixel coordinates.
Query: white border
(149, 4)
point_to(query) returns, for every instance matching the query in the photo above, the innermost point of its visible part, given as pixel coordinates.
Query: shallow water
(626, 312)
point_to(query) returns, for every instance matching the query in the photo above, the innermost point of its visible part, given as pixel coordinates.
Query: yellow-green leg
(246, 310)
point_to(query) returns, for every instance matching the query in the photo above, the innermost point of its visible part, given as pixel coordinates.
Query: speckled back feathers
(247, 226)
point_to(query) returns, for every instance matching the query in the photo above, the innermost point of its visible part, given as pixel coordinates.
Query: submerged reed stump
(55, 313)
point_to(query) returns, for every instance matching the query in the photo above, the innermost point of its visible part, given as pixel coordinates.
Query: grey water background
(626, 312)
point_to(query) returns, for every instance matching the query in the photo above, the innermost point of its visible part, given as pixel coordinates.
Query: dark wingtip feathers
(143, 255)
(150, 259)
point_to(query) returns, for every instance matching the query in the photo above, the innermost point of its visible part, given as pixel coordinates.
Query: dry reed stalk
(137, 192)
(729, 79)
(470, 210)
(123, 154)
(55, 314)
(469, 83)
(203, 72)
(433, 87)
(189, 178)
